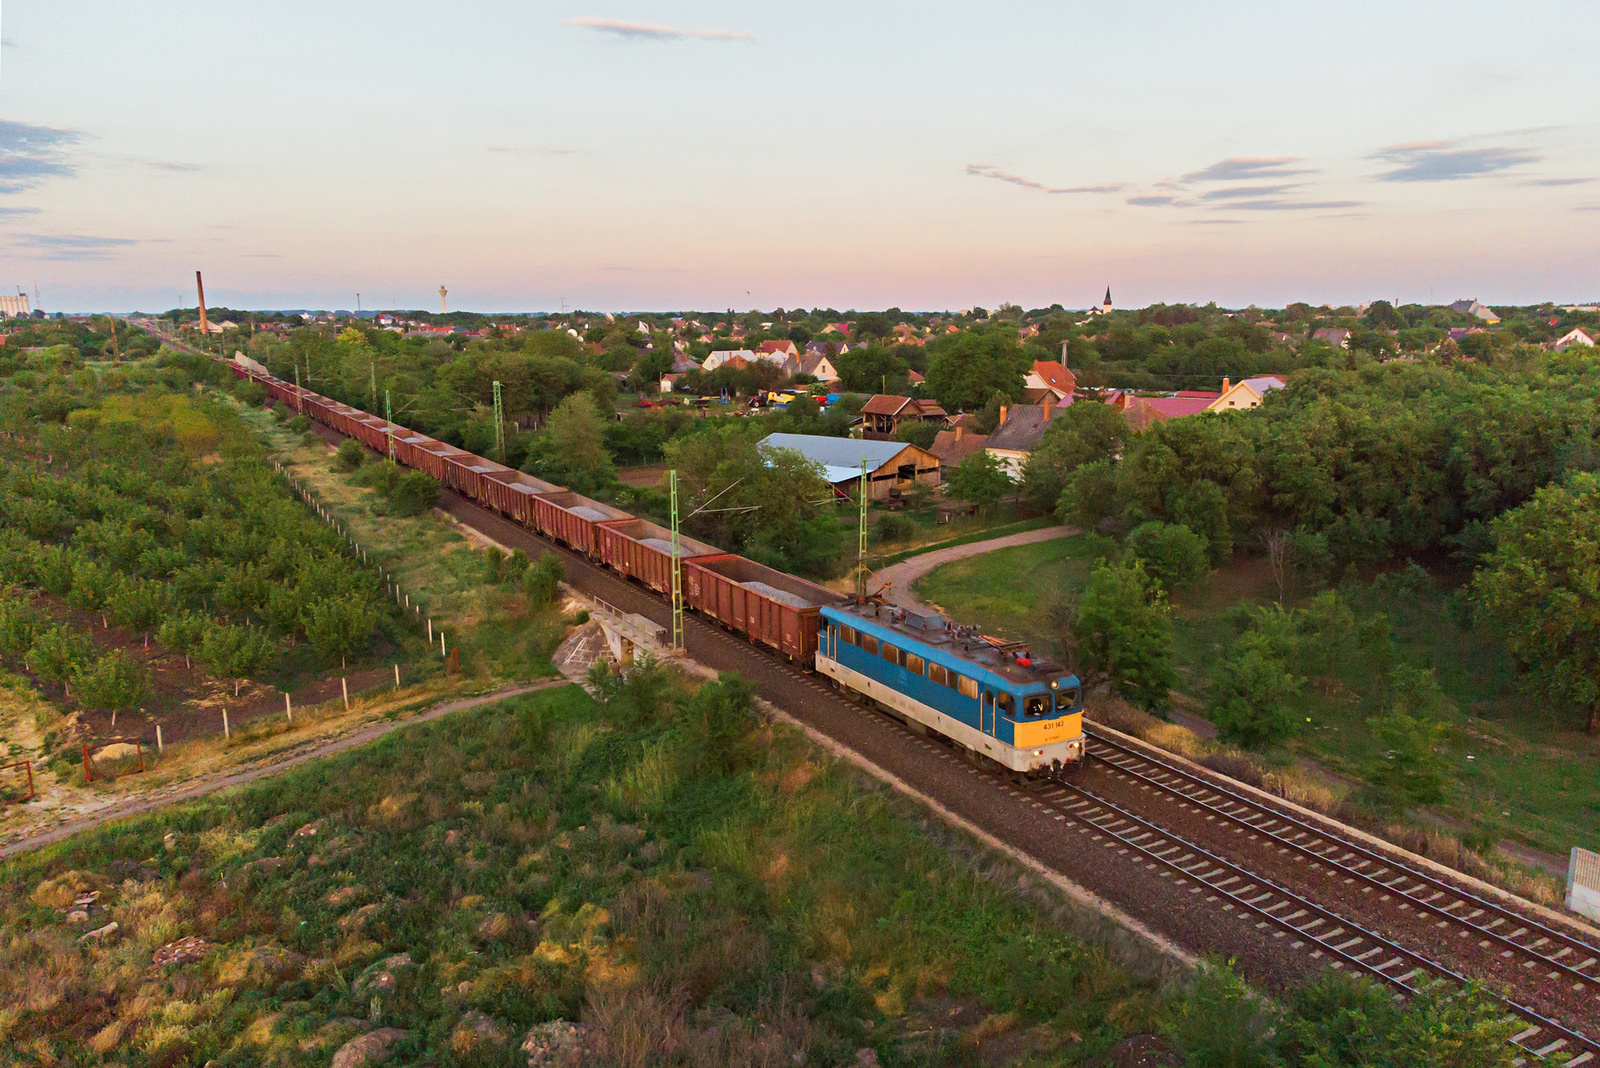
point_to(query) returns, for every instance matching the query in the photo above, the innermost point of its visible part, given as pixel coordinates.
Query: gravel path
(206, 784)
(906, 572)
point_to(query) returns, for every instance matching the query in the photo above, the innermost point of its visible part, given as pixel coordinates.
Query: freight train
(994, 699)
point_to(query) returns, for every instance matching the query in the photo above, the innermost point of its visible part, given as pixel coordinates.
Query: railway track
(1312, 927)
(1561, 955)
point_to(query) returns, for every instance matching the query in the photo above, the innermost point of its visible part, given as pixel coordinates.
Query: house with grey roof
(891, 465)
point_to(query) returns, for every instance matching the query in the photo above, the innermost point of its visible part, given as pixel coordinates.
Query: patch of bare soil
(647, 477)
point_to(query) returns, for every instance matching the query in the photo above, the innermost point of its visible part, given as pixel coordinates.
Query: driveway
(903, 574)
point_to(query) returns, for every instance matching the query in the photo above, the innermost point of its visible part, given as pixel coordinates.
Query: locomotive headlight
(1038, 752)
(1055, 684)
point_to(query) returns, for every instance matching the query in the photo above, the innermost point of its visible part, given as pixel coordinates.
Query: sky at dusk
(650, 155)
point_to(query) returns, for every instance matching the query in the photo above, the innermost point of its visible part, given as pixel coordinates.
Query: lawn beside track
(1528, 768)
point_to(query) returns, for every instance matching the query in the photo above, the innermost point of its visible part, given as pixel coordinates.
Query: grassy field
(439, 563)
(1523, 771)
(549, 858)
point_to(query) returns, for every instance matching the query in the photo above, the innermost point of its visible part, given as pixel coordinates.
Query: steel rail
(1262, 897)
(1386, 865)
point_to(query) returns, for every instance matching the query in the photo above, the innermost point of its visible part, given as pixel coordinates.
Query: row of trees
(160, 513)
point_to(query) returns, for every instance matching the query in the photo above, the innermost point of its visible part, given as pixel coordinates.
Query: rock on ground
(369, 1048)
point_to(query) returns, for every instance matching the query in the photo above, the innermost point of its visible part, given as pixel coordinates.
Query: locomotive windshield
(1037, 704)
(1067, 698)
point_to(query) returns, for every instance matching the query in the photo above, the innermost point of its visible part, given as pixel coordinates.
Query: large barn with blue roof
(891, 465)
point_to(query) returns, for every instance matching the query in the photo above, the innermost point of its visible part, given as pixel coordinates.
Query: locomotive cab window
(966, 687)
(1005, 702)
(1036, 704)
(1067, 699)
(869, 645)
(847, 635)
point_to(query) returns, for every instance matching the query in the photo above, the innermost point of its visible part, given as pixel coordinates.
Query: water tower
(442, 292)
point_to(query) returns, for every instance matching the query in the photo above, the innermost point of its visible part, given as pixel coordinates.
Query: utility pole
(200, 288)
(499, 425)
(372, 373)
(861, 537)
(677, 568)
(388, 418)
(299, 405)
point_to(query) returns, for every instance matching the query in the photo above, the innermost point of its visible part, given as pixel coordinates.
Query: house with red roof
(1052, 377)
(882, 416)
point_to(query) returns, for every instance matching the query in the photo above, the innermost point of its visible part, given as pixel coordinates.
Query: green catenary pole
(388, 418)
(372, 375)
(499, 425)
(677, 568)
(861, 537)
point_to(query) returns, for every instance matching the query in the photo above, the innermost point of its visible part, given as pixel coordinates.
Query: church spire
(1108, 298)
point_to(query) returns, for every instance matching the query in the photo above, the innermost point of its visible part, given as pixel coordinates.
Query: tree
(969, 368)
(981, 479)
(1172, 553)
(1089, 496)
(183, 633)
(236, 653)
(1123, 633)
(1539, 585)
(1218, 1022)
(573, 449)
(1410, 767)
(114, 683)
(721, 711)
(914, 432)
(340, 626)
(1077, 435)
(58, 653)
(1250, 698)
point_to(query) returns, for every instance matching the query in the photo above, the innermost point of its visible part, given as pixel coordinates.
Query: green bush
(892, 526)
(1172, 553)
(300, 424)
(415, 494)
(350, 455)
(493, 565)
(1218, 1023)
(515, 566)
(541, 583)
(249, 392)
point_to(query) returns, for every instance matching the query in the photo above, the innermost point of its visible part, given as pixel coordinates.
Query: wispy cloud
(31, 154)
(647, 32)
(1248, 168)
(1290, 205)
(984, 170)
(1441, 161)
(1153, 201)
(173, 168)
(1556, 181)
(532, 150)
(73, 246)
(12, 213)
(1249, 192)
(1588, 207)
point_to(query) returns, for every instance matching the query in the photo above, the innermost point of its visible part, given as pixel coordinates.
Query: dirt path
(211, 783)
(906, 572)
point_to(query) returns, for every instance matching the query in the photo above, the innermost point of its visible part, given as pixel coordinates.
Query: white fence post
(226, 733)
(344, 684)
(159, 747)
(288, 710)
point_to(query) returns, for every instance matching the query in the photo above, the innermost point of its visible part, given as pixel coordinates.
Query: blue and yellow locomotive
(993, 698)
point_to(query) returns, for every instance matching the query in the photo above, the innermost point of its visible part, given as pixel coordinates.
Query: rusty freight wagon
(767, 606)
(512, 492)
(642, 550)
(570, 518)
